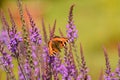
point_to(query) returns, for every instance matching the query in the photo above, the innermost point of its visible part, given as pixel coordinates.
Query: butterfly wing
(53, 48)
(56, 44)
(62, 41)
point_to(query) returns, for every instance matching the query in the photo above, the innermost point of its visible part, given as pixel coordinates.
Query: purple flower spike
(35, 36)
(72, 33)
(34, 32)
(84, 70)
(45, 55)
(14, 40)
(117, 72)
(109, 75)
(6, 60)
(13, 35)
(63, 70)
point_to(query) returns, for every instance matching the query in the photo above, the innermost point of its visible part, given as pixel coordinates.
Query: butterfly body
(56, 44)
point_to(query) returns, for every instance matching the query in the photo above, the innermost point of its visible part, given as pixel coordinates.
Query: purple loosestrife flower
(71, 32)
(26, 39)
(6, 61)
(70, 64)
(13, 35)
(72, 35)
(45, 55)
(109, 75)
(84, 70)
(36, 62)
(5, 27)
(45, 60)
(63, 70)
(47, 64)
(27, 71)
(34, 32)
(35, 37)
(14, 41)
(55, 66)
(71, 28)
(118, 67)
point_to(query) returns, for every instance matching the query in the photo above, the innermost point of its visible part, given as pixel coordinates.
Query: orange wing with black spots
(55, 44)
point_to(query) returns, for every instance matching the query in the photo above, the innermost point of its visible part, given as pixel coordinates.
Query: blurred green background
(97, 21)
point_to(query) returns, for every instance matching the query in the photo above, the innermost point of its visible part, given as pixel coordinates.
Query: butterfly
(55, 44)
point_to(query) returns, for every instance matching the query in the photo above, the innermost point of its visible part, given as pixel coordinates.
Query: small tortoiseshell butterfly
(55, 44)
